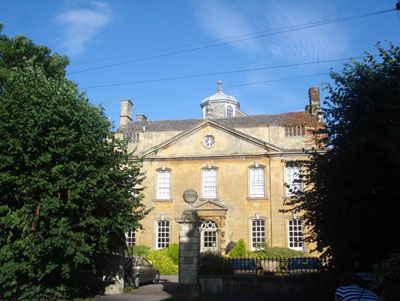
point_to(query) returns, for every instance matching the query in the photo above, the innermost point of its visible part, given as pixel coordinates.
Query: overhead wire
(218, 73)
(233, 86)
(254, 36)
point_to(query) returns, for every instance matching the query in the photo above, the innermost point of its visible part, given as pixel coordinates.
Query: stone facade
(237, 164)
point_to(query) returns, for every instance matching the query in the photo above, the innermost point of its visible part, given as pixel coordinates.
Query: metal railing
(219, 265)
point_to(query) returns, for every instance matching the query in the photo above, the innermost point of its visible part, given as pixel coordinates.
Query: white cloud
(315, 43)
(275, 49)
(220, 20)
(81, 25)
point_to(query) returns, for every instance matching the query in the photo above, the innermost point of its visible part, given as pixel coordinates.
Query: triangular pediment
(225, 142)
(210, 205)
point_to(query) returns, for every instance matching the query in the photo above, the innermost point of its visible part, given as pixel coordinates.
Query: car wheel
(136, 281)
(156, 278)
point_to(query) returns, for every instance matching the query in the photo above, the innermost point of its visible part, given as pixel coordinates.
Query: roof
(231, 122)
(219, 96)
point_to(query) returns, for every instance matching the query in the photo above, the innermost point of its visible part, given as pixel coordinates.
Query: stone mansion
(237, 164)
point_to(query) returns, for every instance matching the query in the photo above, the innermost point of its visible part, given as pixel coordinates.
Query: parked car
(300, 264)
(141, 270)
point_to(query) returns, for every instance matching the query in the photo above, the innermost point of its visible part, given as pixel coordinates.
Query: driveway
(164, 290)
(168, 289)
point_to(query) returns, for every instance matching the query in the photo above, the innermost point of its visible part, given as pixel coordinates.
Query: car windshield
(139, 262)
(145, 262)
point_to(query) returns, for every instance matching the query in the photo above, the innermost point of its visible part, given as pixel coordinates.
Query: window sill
(257, 198)
(290, 197)
(208, 199)
(163, 200)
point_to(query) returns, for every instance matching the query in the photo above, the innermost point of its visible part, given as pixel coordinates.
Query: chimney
(314, 107)
(126, 111)
(141, 117)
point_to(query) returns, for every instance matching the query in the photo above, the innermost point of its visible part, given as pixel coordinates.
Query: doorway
(209, 237)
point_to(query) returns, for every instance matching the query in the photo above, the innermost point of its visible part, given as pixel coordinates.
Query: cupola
(220, 105)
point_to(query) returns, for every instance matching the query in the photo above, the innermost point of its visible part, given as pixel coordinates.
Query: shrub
(275, 252)
(212, 263)
(140, 250)
(173, 252)
(386, 278)
(163, 262)
(239, 250)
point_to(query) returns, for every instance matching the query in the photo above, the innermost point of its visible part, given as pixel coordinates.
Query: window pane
(296, 130)
(257, 182)
(162, 234)
(130, 238)
(258, 233)
(292, 180)
(164, 184)
(295, 234)
(229, 111)
(209, 183)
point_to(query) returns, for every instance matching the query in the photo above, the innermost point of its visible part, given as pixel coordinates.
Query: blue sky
(115, 42)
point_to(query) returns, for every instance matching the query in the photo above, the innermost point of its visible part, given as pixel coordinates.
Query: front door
(209, 236)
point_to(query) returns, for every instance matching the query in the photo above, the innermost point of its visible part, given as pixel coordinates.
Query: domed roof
(219, 97)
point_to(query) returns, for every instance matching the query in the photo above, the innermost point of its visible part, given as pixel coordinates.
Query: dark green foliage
(386, 278)
(275, 252)
(67, 187)
(163, 262)
(350, 208)
(239, 250)
(212, 263)
(173, 253)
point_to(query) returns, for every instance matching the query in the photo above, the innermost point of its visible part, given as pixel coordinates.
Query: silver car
(141, 270)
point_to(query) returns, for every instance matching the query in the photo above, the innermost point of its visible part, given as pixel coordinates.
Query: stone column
(189, 245)
(189, 249)
(114, 273)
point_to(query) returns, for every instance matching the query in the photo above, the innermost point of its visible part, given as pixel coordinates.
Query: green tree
(68, 190)
(350, 206)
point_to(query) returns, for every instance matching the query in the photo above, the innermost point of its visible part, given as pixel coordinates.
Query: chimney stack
(314, 107)
(141, 117)
(126, 111)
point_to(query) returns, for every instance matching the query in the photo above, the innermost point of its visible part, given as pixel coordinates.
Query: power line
(232, 86)
(255, 36)
(217, 73)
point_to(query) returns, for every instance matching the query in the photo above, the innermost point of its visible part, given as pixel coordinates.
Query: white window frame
(295, 234)
(130, 238)
(292, 174)
(229, 109)
(209, 183)
(257, 181)
(163, 234)
(163, 184)
(258, 233)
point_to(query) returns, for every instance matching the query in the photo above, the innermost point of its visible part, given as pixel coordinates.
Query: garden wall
(314, 287)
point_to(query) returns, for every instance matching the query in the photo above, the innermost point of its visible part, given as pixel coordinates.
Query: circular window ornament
(209, 141)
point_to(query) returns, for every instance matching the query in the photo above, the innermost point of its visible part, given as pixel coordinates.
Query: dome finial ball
(219, 85)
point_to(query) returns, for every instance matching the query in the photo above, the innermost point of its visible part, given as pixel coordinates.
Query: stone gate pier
(189, 245)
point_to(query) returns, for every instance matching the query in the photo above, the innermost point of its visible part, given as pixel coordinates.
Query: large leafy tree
(351, 203)
(68, 191)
